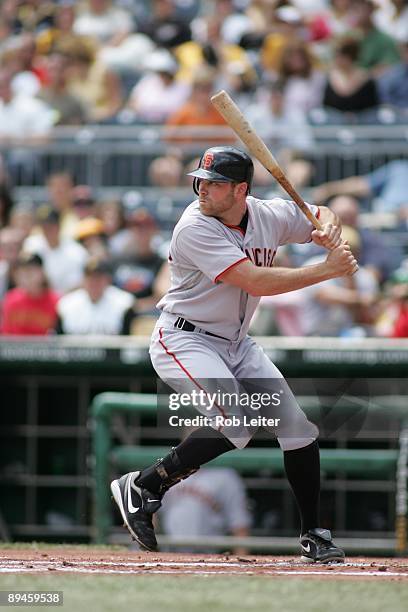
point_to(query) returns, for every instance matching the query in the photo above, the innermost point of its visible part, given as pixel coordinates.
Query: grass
(87, 593)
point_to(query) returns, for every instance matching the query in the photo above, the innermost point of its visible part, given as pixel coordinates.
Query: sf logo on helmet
(207, 161)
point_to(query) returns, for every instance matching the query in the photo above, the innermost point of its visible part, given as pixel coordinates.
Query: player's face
(215, 198)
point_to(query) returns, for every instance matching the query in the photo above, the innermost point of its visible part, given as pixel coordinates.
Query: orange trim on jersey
(229, 268)
(235, 227)
(187, 372)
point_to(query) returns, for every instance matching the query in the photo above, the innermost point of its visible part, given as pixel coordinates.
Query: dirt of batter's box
(68, 558)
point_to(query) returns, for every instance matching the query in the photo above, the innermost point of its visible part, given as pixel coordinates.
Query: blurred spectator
(263, 179)
(89, 80)
(400, 328)
(211, 502)
(261, 16)
(341, 306)
(240, 80)
(189, 166)
(158, 93)
(163, 26)
(8, 13)
(84, 204)
(112, 26)
(26, 121)
(61, 30)
(128, 56)
(8, 9)
(166, 171)
(287, 28)
(112, 215)
(281, 126)
(298, 171)
(197, 112)
(6, 31)
(127, 49)
(392, 318)
(29, 60)
(349, 88)
(234, 23)
(334, 20)
(137, 267)
(392, 17)
(90, 233)
(67, 108)
(63, 258)
(21, 117)
(72, 202)
(210, 48)
(61, 196)
(103, 21)
(388, 183)
(6, 203)
(11, 242)
(374, 253)
(29, 308)
(309, 7)
(377, 50)
(31, 15)
(303, 84)
(393, 84)
(20, 58)
(98, 307)
(22, 217)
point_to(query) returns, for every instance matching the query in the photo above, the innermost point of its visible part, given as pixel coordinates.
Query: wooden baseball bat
(256, 146)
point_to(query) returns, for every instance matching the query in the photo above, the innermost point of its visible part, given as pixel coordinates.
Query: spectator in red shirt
(401, 324)
(400, 303)
(30, 308)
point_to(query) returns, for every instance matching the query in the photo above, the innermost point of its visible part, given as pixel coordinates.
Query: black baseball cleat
(136, 505)
(317, 547)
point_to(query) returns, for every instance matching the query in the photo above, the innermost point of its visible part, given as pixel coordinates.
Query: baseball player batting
(221, 260)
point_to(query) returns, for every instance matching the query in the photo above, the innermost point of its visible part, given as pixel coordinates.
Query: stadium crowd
(77, 263)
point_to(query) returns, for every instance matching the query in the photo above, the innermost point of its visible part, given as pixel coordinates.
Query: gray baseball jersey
(202, 248)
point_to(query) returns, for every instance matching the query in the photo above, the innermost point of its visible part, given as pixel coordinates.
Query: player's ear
(241, 188)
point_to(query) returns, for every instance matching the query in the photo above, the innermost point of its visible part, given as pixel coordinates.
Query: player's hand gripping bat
(256, 146)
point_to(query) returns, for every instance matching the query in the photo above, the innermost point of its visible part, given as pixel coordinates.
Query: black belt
(181, 323)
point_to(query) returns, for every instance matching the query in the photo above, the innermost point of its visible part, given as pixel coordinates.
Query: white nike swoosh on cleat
(306, 548)
(153, 500)
(132, 509)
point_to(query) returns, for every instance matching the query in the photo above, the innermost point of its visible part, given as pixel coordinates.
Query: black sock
(302, 468)
(198, 448)
(201, 446)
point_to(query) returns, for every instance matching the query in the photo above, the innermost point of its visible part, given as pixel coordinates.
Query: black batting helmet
(224, 164)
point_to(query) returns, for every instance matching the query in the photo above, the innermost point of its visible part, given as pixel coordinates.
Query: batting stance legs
(189, 361)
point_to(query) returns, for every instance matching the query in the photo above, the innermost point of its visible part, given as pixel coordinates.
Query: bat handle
(309, 214)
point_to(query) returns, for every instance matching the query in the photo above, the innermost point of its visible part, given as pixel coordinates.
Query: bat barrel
(256, 146)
